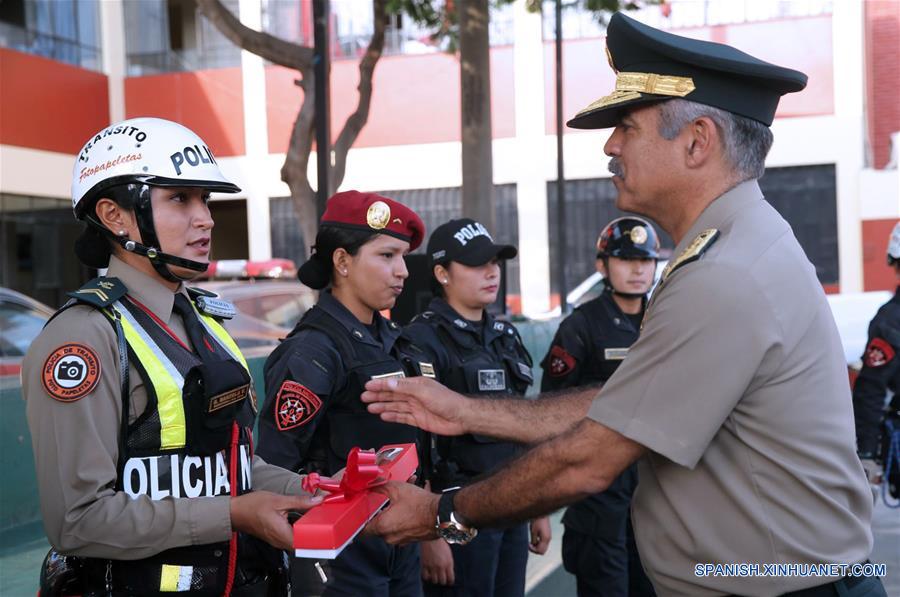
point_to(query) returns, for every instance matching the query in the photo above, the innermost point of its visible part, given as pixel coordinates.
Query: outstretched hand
(418, 401)
(410, 516)
(265, 515)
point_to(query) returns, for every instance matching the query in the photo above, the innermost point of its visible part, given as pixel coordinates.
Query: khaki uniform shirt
(738, 387)
(76, 446)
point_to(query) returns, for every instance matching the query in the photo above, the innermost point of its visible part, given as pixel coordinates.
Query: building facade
(69, 67)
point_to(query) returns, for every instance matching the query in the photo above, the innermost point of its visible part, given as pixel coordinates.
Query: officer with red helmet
(590, 344)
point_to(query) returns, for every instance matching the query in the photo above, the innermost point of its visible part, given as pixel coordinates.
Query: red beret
(377, 214)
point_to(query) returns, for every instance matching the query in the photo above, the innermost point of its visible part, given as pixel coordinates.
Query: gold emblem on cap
(609, 59)
(630, 86)
(379, 215)
(638, 235)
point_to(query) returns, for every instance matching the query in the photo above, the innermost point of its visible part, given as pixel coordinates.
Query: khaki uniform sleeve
(269, 477)
(703, 341)
(75, 447)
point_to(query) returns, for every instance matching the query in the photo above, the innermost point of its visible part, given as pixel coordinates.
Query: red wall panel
(210, 102)
(877, 275)
(49, 105)
(415, 99)
(882, 76)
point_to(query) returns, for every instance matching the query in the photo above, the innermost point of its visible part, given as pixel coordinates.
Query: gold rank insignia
(692, 252)
(378, 215)
(638, 235)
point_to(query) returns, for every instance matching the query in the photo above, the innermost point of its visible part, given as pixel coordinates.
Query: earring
(343, 272)
(123, 233)
(444, 281)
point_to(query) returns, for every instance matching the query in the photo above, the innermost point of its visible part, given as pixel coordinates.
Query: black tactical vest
(347, 422)
(501, 369)
(212, 457)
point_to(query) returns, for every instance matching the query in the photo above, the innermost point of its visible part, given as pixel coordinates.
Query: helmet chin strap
(160, 261)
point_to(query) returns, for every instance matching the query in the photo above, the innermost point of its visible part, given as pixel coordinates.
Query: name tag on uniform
(491, 380)
(615, 354)
(427, 370)
(394, 374)
(228, 398)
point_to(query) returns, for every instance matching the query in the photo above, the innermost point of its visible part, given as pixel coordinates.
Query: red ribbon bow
(362, 473)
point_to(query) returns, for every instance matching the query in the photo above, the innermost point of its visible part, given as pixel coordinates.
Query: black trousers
(492, 564)
(606, 564)
(366, 567)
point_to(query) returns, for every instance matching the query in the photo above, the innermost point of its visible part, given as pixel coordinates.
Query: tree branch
(356, 121)
(267, 46)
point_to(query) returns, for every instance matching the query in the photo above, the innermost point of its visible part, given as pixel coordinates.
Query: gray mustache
(615, 167)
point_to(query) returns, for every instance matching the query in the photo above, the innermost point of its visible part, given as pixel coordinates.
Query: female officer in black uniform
(312, 416)
(598, 543)
(471, 352)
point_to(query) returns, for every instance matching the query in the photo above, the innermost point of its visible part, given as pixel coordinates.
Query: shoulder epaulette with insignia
(194, 292)
(692, 252)
(100, 292)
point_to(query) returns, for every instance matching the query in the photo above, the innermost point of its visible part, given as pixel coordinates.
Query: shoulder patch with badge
(71, 372)
(561, 362)
(295, 405)
(878, 353)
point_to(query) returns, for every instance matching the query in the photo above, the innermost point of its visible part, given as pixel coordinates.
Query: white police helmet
(893, 251)
(151, 151)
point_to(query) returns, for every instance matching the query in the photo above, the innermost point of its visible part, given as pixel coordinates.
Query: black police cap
(465, 241)
(653, 65)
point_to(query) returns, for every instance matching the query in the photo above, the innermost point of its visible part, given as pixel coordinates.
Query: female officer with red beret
(312, 416)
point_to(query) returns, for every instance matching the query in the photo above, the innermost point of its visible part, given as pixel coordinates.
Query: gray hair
(745, 142)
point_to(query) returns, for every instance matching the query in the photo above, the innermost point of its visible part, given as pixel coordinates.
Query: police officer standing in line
(312, 415)
(139, 402)
(598, 542)
(880, 375)
(473, 353)
(734, 398)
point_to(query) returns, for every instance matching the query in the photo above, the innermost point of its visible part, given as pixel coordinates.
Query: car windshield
(20, 325)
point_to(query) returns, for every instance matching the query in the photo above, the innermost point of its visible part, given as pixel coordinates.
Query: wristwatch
(449, 527)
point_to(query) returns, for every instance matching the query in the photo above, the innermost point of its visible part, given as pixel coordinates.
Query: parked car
(21, 319)
(267, 310)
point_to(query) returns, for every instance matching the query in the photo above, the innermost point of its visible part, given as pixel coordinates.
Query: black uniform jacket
(312, 415)
(589, 346)
(474, 358)
(879, 375)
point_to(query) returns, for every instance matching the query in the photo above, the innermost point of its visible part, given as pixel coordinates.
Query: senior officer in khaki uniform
(139, 402)
(734, 398)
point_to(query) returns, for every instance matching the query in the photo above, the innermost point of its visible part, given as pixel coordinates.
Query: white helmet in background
(130, 157)
(893, 252)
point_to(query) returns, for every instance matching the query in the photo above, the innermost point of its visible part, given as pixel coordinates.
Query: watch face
(454, 535)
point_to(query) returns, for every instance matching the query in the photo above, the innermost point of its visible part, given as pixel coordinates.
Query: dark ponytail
(318, 270)
(93, 247)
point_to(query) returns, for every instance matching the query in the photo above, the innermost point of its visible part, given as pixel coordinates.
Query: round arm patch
(878, 353)
(295, 405)
(71, 372)
(561, 362)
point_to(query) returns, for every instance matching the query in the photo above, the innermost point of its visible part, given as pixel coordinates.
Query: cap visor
(486, 253)
(604, 117)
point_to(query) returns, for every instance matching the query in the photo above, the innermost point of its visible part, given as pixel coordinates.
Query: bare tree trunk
(278, 51)
(475, 86)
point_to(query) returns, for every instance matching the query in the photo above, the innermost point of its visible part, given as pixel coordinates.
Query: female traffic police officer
(312, 416)
(138, 401)
(471, 352)
(598, 541)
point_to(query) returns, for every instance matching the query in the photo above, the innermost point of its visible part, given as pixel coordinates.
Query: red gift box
(325, 530)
